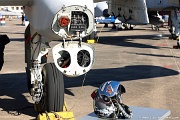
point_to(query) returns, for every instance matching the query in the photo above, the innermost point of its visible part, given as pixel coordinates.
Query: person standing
(22, 19)
(4, 39)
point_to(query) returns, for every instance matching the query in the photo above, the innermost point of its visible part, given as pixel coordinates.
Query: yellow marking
(62, 116)
(91, 41)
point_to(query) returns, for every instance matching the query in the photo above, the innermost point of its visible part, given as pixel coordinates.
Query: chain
(36, 77)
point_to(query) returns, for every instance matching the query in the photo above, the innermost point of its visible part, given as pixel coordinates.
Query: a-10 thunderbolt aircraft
(68, 21)
(128, 11)
(103, 16)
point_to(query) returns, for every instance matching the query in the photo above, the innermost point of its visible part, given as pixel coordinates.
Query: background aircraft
(167, 7)
(155, 10)
(102, 16)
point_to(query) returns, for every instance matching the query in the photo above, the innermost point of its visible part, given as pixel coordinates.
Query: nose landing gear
(53, 96)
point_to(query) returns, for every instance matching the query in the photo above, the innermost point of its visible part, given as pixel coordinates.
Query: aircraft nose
(73, 22)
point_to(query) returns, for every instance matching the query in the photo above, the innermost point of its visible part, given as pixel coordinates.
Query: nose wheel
(53, 96)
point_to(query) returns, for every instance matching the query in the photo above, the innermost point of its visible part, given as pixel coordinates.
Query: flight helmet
(107, 101)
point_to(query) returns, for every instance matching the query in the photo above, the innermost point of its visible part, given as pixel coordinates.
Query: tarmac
(143, 60)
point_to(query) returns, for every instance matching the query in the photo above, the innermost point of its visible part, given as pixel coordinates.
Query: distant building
(11, 11)
(16, 9)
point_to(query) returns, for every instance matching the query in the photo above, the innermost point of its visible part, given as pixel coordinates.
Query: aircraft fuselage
(159, 5)
(43, 15)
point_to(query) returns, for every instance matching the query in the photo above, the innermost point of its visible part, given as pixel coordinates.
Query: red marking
(93, 95)
(162, 44)
(167, 66)
(109, 89)
(28, 39)
(2, 19)
(64, 21)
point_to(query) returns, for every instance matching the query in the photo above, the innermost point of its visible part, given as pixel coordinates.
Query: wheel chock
(91, 41)
(65, 107)
(64, 115)
(56, 116)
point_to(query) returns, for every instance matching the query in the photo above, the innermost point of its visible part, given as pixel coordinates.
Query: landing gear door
(73, 58)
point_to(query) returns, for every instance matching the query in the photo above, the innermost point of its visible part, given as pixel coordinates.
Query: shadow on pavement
(13, 99)
(95, 77)
(13, 86)
(127, 41)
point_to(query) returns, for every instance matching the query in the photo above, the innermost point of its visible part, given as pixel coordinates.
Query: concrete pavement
(147, 66)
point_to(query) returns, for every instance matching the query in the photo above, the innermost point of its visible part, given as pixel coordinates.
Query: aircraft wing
(15, 2)
(162, 5)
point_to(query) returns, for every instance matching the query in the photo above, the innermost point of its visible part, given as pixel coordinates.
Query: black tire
(106, 25)
(27, 45)
(93, 36)
(131, 28)
(174, 37)
(53, 99)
